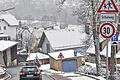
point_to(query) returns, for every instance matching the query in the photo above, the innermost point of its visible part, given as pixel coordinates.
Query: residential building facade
(8, 53)
(8, 25)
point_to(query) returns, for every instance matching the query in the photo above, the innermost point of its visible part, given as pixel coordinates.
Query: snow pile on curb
(90, 68)
(2, 71)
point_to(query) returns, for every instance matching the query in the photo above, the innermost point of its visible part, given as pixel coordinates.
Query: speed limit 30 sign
(107, 30)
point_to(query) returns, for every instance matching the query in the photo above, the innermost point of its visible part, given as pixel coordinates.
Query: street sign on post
(75, 53)
(115, 38)
(107, 30)
(110, 17)
(108, 6)
(60, 55)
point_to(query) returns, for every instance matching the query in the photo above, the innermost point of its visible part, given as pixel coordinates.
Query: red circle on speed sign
(107, 30)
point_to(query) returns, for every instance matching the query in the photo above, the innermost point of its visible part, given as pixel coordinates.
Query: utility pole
(95, 37)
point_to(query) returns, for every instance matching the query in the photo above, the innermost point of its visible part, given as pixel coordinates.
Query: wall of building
(2, 24)
(14, 55)
(10, 30)
(79, 61)
(118, 61)
(1, 58)
(44, 47)
(8, 51)
(55, 64)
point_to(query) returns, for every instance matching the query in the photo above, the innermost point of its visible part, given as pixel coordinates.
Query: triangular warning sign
(108, 6)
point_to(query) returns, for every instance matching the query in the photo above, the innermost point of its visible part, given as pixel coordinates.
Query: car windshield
(27, 69)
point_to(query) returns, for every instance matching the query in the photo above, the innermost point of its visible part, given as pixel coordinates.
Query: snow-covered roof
(66, 54)
(2, 71)
(6, 44)
(64, 39)
(4, 35)
(91, 49)
(32, 56)
(10, 19)
(76, 27)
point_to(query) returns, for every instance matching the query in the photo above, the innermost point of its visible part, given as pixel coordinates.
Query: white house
(8, 53)
(56, 40)
(8, 25)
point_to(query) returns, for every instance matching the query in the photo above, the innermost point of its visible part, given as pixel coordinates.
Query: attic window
(4, 27)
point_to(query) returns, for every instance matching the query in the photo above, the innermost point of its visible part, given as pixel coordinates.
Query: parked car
(30, 72)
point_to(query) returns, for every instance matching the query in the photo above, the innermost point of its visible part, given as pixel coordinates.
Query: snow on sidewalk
(71, 76)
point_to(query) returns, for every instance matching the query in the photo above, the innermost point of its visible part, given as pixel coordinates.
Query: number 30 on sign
(107, 30)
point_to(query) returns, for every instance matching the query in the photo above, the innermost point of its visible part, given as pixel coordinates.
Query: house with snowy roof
(8, 53)
(8, 25)
(56, 40)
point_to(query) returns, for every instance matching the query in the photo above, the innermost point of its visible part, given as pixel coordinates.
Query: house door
(69, 65)
(5, 57)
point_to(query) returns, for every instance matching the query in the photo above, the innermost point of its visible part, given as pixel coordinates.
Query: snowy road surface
(14, 72)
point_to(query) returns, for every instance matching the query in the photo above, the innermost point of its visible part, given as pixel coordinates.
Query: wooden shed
(68, 63)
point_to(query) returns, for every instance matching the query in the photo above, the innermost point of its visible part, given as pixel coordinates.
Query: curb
(5, 76)
(90, 76)
(2, 75)
(8, 76)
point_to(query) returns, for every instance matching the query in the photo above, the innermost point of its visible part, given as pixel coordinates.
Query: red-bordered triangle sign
(108, 6)
(60, 55)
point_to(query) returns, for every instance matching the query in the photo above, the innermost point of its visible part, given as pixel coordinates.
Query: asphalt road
(14, 72)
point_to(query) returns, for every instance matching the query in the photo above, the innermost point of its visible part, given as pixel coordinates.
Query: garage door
(69, 65)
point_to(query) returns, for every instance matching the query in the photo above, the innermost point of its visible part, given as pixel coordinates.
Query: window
(4, 27)
(0, 28)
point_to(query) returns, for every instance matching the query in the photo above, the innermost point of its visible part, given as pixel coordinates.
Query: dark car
(30, 72)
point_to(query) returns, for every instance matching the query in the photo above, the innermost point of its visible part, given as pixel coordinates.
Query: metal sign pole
(107, 69)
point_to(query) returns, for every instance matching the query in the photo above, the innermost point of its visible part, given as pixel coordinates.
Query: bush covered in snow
(88, 69)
